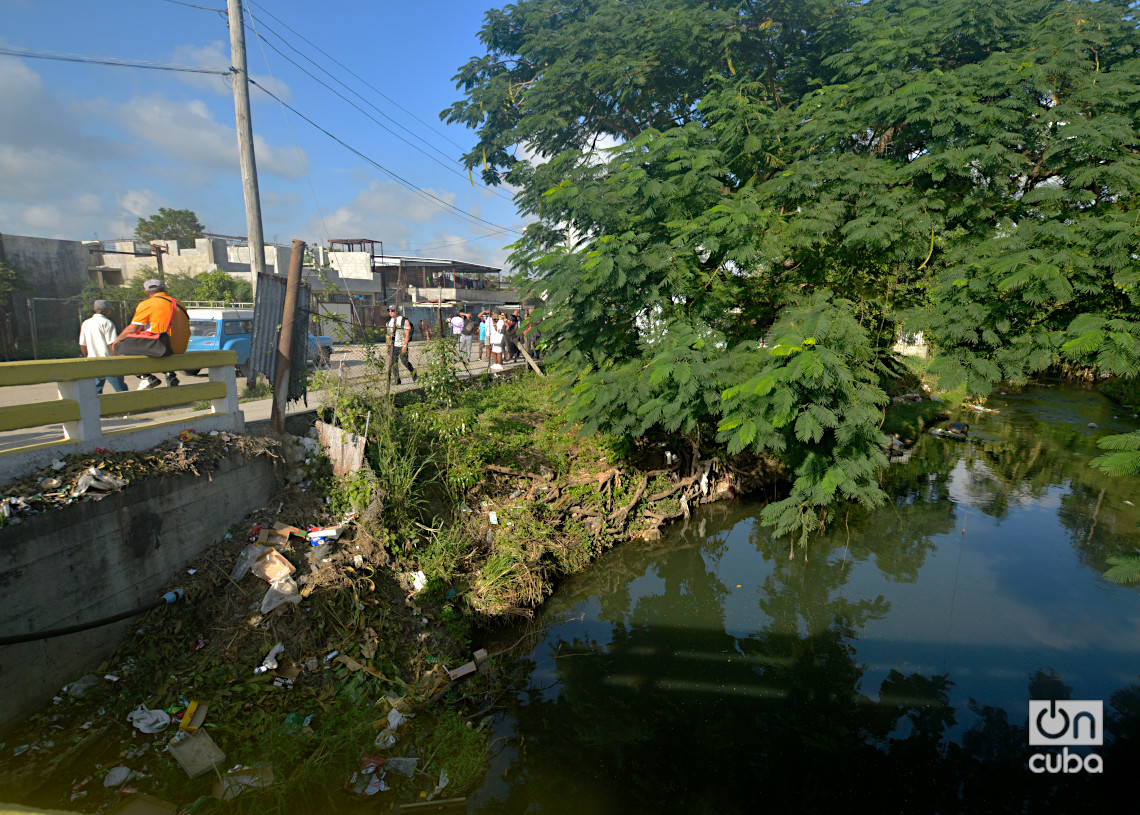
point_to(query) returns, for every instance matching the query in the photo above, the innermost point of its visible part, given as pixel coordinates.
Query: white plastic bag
(281, 591)
(148, 721)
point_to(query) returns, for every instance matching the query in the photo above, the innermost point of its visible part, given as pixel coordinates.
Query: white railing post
(229, 403)
(89, 427)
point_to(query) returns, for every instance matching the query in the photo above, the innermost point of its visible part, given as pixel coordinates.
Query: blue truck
(231, 329)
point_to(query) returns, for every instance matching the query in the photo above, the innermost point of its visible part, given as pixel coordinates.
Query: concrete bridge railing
(81, 410)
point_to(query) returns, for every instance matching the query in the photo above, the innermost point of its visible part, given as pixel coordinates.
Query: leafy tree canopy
(218, 285)
(170, 224)
(793, 182)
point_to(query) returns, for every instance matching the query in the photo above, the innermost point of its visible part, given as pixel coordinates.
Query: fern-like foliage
(1125, 458)
(1123, 569)
(814, 398)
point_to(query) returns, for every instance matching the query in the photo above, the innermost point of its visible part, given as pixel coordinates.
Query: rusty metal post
(285, 340)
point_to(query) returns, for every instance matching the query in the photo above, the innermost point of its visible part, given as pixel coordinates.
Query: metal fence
(268, 307)
(48, 327)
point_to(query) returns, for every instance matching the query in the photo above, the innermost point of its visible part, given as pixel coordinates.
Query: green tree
(221, 286)
(170, 224)
(793, 182)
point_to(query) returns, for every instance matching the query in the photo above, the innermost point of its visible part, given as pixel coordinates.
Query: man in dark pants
(400, 339)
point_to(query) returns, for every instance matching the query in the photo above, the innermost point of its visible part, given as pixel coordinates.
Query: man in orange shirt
(162, 317)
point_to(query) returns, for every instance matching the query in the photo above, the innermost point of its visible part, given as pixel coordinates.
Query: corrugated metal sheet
(267, 308)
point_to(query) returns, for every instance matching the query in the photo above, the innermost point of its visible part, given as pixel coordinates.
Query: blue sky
(86, 150)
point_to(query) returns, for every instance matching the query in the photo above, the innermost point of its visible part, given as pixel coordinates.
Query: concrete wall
(55, 268)
(207, 255)
(99, 558)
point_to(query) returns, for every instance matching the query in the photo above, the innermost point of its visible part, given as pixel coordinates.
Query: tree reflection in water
(680, 695)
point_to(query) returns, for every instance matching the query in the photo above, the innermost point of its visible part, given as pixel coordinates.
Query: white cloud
(383, 208)
(140, 203)
(187, 131)
(44, 148)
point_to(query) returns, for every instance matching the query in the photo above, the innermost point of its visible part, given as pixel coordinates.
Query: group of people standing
(498, 336)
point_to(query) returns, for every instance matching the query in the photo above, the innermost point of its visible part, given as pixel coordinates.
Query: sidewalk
(257, 412)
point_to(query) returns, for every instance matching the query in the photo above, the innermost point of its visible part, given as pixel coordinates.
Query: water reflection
(889, 666)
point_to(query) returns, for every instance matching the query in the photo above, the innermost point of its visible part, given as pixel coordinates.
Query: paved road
(350, 359)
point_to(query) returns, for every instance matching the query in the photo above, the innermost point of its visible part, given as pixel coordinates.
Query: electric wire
(301, 158)
(191, 5)
(475, 219)
(292, 135)
(112, 61)
(350, 71)
(455, 243)
(449, 163)
(343, 85)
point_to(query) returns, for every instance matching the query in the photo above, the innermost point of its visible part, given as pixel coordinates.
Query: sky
(86, 150)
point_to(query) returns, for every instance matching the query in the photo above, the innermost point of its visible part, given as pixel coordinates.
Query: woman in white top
(495, 340)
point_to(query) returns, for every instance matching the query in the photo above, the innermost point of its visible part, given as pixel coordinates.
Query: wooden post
(285, 341)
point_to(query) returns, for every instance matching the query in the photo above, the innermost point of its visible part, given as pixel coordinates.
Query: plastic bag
(404, 766)
(270, 661)
(245, 560)
(283, 590)
(148, 721)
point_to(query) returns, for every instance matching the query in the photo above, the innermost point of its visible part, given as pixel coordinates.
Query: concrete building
(114, 263)
(351, 281)
(49, 265)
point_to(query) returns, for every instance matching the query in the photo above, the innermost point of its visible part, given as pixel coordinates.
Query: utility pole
(240, 76)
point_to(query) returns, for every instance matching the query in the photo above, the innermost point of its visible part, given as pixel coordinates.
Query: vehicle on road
(231, 329)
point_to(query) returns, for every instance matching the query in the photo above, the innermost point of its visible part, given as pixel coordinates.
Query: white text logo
(1066, 724)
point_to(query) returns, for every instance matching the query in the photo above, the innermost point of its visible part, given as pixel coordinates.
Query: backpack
(470, 327)
(401, 326)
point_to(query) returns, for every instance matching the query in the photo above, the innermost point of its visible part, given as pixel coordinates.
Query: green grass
(261, 389)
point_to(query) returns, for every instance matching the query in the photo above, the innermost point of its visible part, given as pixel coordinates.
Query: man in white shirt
(95, 338)
(400, 336)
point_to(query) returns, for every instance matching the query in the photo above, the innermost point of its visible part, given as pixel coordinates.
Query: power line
(395, 176)
(353, 104)
(455, 243)
(191, 5)
(112, 61)
(449, 164)
(288, 124)
(350, 71)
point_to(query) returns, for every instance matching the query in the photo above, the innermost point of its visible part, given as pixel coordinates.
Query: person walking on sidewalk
(160, 327)
(96, 336)
(400, 338)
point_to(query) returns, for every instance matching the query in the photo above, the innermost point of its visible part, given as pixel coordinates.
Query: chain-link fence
(48, 327)
(359, 332)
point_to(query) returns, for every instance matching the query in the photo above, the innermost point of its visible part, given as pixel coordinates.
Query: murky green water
(889, 669)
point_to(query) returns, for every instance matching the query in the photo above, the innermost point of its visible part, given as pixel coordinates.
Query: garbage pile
(94, 476)
(295, 662)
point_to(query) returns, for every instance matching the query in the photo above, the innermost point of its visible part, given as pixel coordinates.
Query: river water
(888, 667)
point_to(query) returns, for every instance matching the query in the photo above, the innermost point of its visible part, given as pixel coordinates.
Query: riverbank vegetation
(480, 485)
(796, 186)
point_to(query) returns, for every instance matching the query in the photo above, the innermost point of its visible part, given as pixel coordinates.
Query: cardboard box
(272, 565)
(285, 677)
(197, 754)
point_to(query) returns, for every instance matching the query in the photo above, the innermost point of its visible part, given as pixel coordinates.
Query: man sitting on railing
(160, 327)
